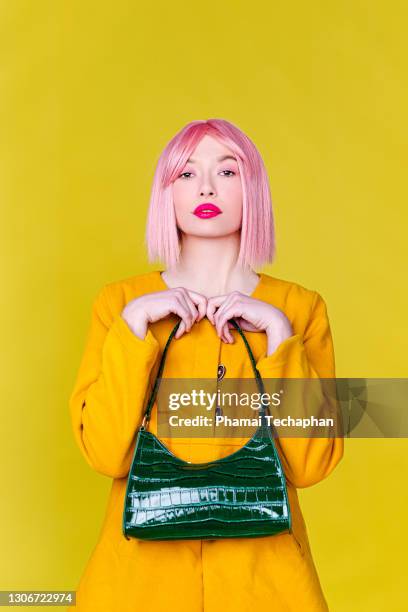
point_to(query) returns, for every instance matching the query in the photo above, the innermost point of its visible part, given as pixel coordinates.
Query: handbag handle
(146, 417)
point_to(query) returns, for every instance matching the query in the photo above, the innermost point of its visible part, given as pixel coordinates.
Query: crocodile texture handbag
(241, 495)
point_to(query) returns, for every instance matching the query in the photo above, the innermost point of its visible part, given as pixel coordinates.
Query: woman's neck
(209, 266)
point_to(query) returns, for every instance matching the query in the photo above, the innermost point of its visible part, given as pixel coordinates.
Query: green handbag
(242, 495)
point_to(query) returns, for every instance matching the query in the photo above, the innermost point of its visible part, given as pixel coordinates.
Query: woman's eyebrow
(220, 159)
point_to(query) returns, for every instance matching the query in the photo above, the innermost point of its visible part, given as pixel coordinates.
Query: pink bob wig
(257, 245)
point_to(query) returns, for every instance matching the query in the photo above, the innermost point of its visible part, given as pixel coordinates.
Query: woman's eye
(183, 175)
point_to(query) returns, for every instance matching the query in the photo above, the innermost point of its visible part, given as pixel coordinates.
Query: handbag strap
(146, 417)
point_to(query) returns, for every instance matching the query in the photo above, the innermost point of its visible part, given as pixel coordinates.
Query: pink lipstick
(207, 210)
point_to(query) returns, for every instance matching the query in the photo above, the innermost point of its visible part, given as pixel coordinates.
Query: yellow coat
(274, 573)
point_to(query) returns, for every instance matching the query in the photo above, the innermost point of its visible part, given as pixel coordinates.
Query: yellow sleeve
(108, 399)
(306, 461)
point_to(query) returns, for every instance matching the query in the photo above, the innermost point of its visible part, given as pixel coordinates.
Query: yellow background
(90, 94)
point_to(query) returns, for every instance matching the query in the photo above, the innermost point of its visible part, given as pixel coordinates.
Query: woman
(210, 220)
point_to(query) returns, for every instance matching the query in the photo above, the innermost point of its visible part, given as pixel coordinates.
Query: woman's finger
(220, 314)
(183, 295)
(215, 306)
(212, 304)
(235, 309)
(196, 302)
(227, 334)
(180, 331)
(179, 307)
(200, 301)
(193, 308)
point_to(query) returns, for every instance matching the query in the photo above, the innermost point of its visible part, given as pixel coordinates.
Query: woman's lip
(206, 214)
(206, 208)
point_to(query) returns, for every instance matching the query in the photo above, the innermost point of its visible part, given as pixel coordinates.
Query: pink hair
(257, 231)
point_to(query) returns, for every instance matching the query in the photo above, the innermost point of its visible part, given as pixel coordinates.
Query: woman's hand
(251, 315)
(150, 307)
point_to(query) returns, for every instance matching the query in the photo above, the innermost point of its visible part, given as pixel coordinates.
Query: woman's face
(207, 178)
